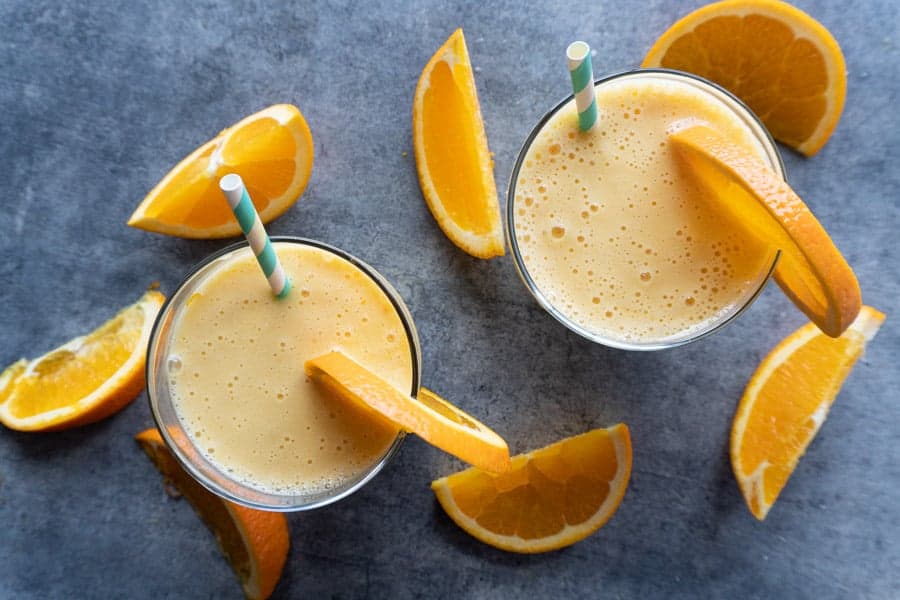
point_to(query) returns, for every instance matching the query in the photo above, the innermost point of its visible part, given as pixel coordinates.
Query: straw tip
(285, 290)
(231, 182)
(578, 51)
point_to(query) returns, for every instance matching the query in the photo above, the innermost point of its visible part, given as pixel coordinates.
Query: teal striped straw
(582, 73)
(236, 193)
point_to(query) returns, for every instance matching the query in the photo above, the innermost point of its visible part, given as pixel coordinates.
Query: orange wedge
(84, 380)
(429, 416)
(456, 171)
(786, 403)
(271, 150)
(549, 499)
(811, 271)
(776, 58)
(255, 542)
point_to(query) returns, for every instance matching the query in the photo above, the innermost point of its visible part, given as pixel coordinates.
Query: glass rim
(763, 136)
(189, 465)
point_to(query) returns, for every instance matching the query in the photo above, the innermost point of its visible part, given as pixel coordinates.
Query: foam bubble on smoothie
(614, 235)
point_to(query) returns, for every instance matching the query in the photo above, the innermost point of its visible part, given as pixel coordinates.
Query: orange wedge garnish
(811, 271)
(550, 498)
(84, 380)
(786, 403)
(271, 150)
(776, 58)
(429, 416)
(456, 172)
(255, 542)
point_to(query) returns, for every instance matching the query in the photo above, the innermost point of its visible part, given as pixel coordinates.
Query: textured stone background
(99, 99)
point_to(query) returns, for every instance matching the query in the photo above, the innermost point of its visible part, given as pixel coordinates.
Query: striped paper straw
(233, 187)
(582, 73)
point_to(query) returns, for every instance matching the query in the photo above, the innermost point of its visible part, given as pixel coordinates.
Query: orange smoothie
(236, 379)
(615, 236)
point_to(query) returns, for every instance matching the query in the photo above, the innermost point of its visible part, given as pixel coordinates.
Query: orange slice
(456, 171)
(786, 403)
(84, 380)
(811, 271)
(271, 150)
(429, 416)
(776, 58)
(255, 542)
(549, 499)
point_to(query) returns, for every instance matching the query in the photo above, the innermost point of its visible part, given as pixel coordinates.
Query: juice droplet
(558, 232)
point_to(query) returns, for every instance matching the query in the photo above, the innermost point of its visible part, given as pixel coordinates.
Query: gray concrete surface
(99, 99)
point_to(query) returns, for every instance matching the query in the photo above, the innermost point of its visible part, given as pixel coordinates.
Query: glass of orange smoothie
(226, 383)
(613, 237)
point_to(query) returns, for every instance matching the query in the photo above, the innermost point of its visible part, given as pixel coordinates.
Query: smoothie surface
(615, 235)
(236, 370)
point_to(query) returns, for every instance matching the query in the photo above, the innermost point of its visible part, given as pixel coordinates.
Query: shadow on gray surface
(46, 445)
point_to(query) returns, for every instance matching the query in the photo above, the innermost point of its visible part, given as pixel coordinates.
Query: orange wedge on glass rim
(255, 542)
(456, 172)
(271, 150)
(87, 379)
(549, 499)
(811, 270)
(786, 403)
(428, 415)
(781, 62)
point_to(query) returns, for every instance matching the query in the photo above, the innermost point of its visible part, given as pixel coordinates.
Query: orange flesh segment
(554, 484)
(271, 151)
(789, 413)
(787, 401)
(174, 204)
(84, 380)
(454, 163)
(550, 498)
(9, 377)
(785, 65)
(262, 153)
(791, 104)
(67, 373)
